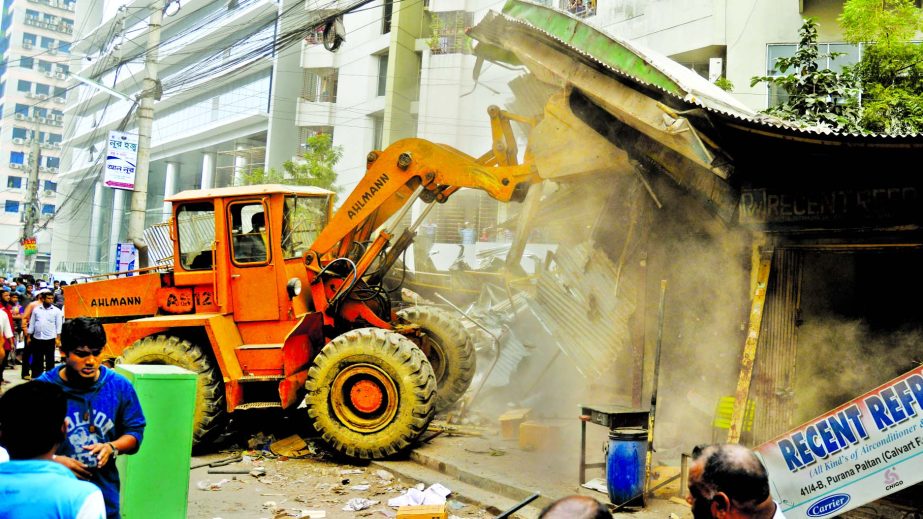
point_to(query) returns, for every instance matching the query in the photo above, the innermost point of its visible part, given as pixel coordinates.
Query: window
(47, 43)
(378, 131)
(21, 109)
(26, 62)
(17, 157)
(42, 88)
(50, 18)
(249, 233)
(60, 92)
(64, 46)
(52, 162)
(302, 220)
(40, 112)
(20, 133)
(386, 17)
(55, 137)
(28, 40)
(14, 182)
(195, 229)
(382, 74)
(50, 186)
(47, 208)
(451, 32)
(32, 14)
(24, 86)
(64, 69)
(11, 206)
(44, 66)
(320, 85)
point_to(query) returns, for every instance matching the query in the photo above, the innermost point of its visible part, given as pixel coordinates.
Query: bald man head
(576, 507)
(729, 482)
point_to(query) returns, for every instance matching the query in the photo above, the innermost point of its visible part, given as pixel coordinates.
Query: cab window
(249, 233)
(195, 225)
(303, 219)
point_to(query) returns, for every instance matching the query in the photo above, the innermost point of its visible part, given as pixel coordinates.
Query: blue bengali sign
(121, 160)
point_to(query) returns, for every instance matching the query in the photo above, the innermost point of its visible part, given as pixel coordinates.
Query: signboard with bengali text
(857, 453)
(121, 160)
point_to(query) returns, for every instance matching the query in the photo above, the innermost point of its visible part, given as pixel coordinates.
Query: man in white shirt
(45, 328)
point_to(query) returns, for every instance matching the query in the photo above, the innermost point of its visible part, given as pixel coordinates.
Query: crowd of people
(32, 327)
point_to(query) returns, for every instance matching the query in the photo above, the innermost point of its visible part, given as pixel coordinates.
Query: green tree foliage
(816, 97)
(316, 169)
(891, 69)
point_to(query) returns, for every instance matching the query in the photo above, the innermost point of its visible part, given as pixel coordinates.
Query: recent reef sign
(859, 452)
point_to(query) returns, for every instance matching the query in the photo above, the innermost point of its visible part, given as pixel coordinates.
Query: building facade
(225, 109)
(35, 46)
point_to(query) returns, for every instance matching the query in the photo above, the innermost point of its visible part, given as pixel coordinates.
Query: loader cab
(239, 247)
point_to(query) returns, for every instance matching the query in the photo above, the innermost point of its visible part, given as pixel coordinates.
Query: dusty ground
(293, 486)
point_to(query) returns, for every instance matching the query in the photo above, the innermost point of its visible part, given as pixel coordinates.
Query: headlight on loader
(293, 287)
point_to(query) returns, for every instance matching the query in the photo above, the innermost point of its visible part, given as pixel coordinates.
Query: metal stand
(612, 417)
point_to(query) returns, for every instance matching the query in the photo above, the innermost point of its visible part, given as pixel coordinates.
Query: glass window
(382, 74)
(13, 182)
(64, 46)
(303, 219)
(60, 92)
(20, 133)
(55, 137)
(23, 86)
(47, 208)
(26, 62)
(52, 162)
(42, 88)
(11, 206)
(64, 69)
(17, 157)
(47, 42)
(848, 55)
(40, 112)
(44, 66)
(21, 109)
(28, 38)
(50, 186)
(249, 232)
(31, 14)
(386, 18)
(195, 225)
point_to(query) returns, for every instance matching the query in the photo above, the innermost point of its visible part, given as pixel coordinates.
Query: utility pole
(26, 262)
(150, 93)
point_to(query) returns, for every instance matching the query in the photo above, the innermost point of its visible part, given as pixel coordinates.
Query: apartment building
(385, 84)
(225, 109)
(35, 46)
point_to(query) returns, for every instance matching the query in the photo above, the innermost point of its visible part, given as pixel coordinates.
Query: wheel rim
(364, 398)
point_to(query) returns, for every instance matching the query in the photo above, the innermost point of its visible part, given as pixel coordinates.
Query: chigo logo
(892, 479)
(828, 505)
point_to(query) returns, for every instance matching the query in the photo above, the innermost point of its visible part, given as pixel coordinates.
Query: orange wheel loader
(274, 299)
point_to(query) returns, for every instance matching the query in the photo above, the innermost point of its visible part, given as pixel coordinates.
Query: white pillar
(169, 188)
(96, 214)
(241, 163)
(208, 169)
(118, 208)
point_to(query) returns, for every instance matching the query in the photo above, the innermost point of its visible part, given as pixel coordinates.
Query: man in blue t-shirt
(104, 418)
(32, 485)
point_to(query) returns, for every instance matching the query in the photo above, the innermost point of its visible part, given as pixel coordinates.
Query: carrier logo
(892, 479)
(828, 505)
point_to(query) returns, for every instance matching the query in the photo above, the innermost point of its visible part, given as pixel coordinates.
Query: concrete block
(510, 422)
(539, 436)
(423, 512)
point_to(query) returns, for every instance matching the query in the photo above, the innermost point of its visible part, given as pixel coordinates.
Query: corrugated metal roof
(652, 71)
(262, 189)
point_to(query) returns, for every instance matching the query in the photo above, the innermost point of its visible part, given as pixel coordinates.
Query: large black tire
(448, 350)
(210, 407)
(381, 363)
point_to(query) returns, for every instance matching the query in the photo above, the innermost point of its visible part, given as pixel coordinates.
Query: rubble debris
(597, 484)
(510, 422)
(384, 475)
(359, 503)
(538, 436)
(346, 472)
(209, 485)
(291, 447)
(422, 512)
(257, 472)
(360, 488)
(436, 494)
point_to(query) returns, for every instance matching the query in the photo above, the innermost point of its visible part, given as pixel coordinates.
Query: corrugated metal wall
(774, 369)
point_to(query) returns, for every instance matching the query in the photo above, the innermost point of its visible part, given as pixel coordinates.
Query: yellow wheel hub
(364, 398)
